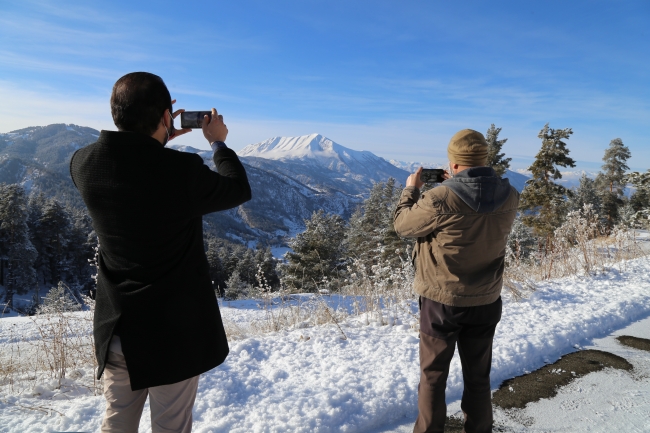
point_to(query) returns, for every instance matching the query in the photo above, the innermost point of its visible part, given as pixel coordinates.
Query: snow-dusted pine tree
(266, 264)
(496, 159)
(317, 258)
(640, 199)
(613, 174)
(542, 200)
(612, 181)
(586, 193)
(237, 288)
(59, 299)
(370, 235)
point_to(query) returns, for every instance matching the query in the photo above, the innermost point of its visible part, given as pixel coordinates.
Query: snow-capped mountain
(290, 177)
(321, 163)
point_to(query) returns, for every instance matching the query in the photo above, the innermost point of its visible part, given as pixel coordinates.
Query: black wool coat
(153, 287)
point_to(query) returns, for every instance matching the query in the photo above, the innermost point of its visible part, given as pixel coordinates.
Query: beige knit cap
(468, 147)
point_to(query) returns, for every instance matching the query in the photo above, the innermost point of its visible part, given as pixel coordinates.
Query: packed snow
(363, 377)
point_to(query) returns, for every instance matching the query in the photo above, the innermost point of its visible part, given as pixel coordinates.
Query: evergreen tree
(79, 248)
(246, 267)
(542, 200)
(521, 243)
(586, 193)
(615, 166)
(51, 240)
(17, 254)
(59, 299)
(392, 246)
(639, 180)
(355, 237)
(217, 271)
(640, 199)
(236, 288)
(370, 234)
(265, 261)
(496, 159)
(612, 181)
(316, 260)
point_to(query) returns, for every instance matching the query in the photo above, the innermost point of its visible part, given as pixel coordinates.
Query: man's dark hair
(138, 101)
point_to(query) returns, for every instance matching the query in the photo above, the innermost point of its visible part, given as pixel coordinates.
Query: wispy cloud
(32, 63)
(40, 106)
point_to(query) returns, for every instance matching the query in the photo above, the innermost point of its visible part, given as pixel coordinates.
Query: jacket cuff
(218, 145)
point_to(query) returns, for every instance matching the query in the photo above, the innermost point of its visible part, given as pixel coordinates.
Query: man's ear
(167, 119)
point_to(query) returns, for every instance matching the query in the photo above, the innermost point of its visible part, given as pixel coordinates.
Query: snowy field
(312, 380)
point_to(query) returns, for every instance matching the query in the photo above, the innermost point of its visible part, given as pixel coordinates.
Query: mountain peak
(305, 146)
(318, 162)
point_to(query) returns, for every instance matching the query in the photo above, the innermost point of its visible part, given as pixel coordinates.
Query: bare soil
(545, 382)
(634, 342)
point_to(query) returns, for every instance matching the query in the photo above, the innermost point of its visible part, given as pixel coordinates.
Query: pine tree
(236, 288)
(615, 166)
(79, 248)
(542, 200)
(217, 271)
(265, 261)
(640, 199)
(586, 193)
(392, 246)
(612, 181)
(370, 234)
(17, 254)
(316, 260)
(51, 239)
(246, 267)
(59, 299)
(521, 243)
(496, 159)
(639, 180)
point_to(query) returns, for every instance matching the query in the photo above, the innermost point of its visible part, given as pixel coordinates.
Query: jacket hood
(480, 188)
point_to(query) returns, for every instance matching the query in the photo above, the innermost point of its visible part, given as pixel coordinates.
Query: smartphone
(194, 119)
(432, 175)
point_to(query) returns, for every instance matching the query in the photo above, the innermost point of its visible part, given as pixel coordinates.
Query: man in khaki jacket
(461, 228)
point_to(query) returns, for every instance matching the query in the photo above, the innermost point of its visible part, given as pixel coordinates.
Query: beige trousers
(171, 405)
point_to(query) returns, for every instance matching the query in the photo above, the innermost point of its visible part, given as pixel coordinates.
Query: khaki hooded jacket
(461, 227)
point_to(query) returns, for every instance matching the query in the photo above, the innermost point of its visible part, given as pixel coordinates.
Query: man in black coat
(157, 324)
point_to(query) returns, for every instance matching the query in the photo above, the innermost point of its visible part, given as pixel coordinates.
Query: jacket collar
(480, 188)
(128, 138)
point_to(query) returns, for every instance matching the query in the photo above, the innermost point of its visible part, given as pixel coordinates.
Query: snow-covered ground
(313, 380)
(606, 401)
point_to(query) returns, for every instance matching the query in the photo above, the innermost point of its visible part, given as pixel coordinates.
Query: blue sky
(395, 78)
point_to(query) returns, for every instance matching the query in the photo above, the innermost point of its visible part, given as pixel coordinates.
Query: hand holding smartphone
(432, 175)
(194, 119)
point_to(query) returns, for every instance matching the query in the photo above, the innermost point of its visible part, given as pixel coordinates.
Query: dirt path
(547, 381)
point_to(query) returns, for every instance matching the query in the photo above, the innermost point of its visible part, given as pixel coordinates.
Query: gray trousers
(171, 405)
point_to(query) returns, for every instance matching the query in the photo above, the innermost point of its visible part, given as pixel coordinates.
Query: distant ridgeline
(291, 177)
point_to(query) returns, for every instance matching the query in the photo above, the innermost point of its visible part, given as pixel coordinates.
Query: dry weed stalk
(59, 346)
(579, 247)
